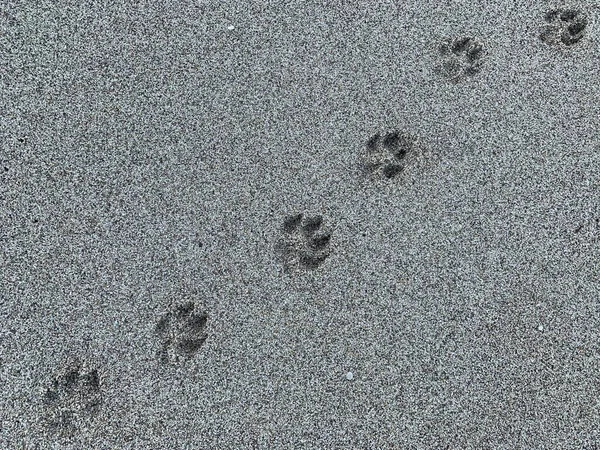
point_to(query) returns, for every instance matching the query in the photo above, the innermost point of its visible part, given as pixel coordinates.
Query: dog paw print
(385, 155)
(304, 243)
(73, 398)
(460, 58)
(182, 333)
(564, 26)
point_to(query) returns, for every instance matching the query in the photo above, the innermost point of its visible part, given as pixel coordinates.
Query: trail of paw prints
(460, 58)
(385, 155)
(182, 332)
(564, 26)
(304, 244)
(73, 398)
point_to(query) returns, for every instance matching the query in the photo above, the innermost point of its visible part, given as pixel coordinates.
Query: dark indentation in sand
(185, 309)
(305, 245)
(181, 332)
(311, 225)
(162, 325)
(291, 223)
(310, 260)
(320, 242)
(472, 70)
(563, 27)
(461, 45)
(93, 380)
(474, 52)
(551, 15)
(568, 15)
(396, 144)
(460, 58)
(385, 156)
(51, 395)
(73, 398)
(373, 142)
(197, 323)
(71, 378)
(189, 346)
(391, 170)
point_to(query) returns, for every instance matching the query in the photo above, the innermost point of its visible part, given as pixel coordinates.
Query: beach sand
(202, 245)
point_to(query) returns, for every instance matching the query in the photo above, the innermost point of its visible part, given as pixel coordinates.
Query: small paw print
(182, 333)
(385, 155)
(563, 26)
(460, 58)
(303, 243)
(73, 398)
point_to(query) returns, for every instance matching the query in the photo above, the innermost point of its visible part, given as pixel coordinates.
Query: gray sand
(150, 155)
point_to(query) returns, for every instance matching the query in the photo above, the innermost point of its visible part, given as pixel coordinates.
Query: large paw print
(460, 58)
(303, 243)
(182, 332)
(73, 398)
(385, 155)
(564, 26)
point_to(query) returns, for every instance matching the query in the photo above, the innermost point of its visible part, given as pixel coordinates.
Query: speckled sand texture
(299, 224)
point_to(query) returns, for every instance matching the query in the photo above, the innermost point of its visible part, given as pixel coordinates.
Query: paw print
(303, 244)
(182, 332)
(385, 155)
(564, 26)
(461, 58)
(73, 398)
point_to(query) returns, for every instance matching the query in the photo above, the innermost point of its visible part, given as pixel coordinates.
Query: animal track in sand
(385, 155)
(460, 58)
(73, 398)
(304, 243)
(564, 26)
(181, 332)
